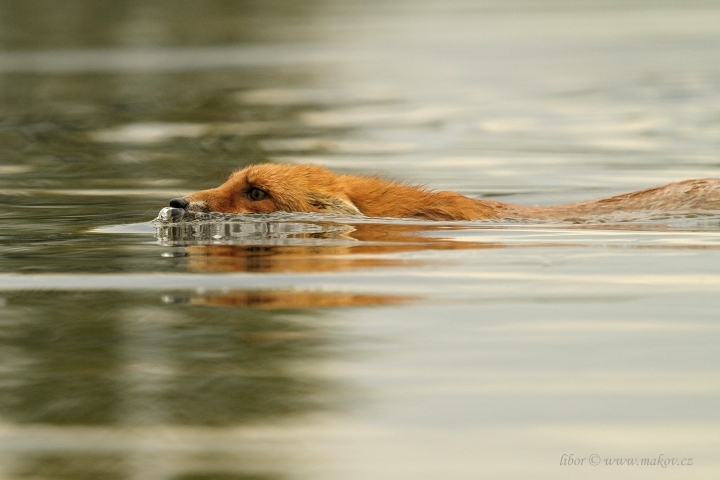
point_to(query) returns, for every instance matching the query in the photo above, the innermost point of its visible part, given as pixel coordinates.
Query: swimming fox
(268, 188)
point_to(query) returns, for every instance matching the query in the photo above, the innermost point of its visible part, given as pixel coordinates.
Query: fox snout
(179, 207)
(179, 203)
(189, 205)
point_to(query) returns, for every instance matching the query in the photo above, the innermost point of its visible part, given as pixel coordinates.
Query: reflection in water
(89, 466)
(141, 363)
(102, 23)
(279, 299)
(301, 243)
(223, 476)
(290, 243)
(70, 466)
(111, 361)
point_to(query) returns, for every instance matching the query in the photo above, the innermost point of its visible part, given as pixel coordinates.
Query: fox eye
(256, 194)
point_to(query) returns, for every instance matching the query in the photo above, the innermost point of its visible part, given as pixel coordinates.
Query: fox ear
(330, 204)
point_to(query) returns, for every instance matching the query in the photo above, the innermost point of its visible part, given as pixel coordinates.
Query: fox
(266, 188)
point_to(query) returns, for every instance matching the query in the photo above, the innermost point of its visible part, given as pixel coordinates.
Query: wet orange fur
(307, 188)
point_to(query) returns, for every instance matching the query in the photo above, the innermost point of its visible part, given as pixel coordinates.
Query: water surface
(303, 346)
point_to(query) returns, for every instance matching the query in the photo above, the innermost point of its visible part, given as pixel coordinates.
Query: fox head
(270, 188)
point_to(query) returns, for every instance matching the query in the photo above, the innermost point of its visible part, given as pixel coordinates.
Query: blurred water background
(310, 347)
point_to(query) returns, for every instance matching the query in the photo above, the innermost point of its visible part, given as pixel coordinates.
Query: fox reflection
(350, 247)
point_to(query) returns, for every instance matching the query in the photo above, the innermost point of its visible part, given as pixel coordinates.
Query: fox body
(269, 188)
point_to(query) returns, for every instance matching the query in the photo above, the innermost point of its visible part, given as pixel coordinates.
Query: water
(294, 346)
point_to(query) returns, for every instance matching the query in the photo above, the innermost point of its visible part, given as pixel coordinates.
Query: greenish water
(303, 346)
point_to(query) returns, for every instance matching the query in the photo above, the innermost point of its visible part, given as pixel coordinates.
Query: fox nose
(179, 203)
